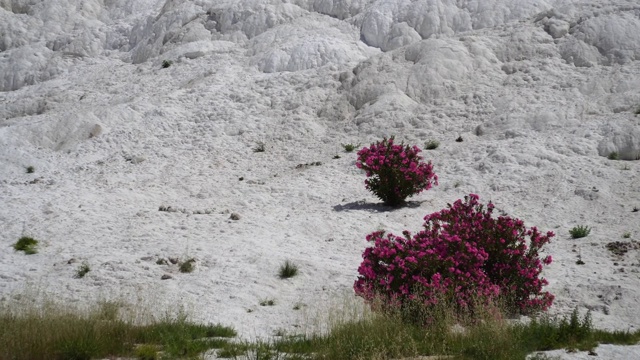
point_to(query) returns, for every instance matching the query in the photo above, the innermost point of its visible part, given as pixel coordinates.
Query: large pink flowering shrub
(394, 171)
(463, 254)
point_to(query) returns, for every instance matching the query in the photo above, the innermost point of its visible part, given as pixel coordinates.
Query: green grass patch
(27, 244)
(57, 332)
(54, 332)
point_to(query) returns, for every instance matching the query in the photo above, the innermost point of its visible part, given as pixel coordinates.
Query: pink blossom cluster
(463, 254)
(395, 172)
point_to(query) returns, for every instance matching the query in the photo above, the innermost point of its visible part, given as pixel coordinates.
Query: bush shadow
(363, 205)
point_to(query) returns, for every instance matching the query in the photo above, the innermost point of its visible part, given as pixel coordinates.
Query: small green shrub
(187, 266)
(626, 235)
(635, 209)
(288, 270)
(30, 169)
(614, 155)
(82, 270)
(26, 244)
(579, 231)
(459, 139)
(336, 156)
(432, 144)
(260, 147)
(166, 63)
(350, 147)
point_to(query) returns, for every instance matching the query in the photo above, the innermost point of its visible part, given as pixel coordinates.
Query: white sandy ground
(541, 91)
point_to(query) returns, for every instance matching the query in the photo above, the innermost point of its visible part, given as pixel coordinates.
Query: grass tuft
(288, 270)
(614, 155)
(82, 270)
(267, 302)
(579, 231)
(187, 266)
(350, 147)
(432, 144)
(26, 244)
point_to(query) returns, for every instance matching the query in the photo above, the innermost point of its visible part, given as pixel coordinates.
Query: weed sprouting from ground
(26, 244)
(82, 270)
(187, 266)
(288, 270)
(579, 231)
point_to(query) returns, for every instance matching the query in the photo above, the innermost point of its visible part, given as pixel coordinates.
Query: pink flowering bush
(395, 172)
(463, 254)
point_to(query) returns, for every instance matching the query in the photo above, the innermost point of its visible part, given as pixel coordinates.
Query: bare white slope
(540, 91)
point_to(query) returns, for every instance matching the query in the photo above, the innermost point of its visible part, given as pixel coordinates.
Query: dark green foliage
(614, 155)
(30, 169)
(288, 269)
(166, 63)
(26, 244)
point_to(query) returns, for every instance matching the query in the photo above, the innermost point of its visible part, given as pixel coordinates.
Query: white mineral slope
(540, 91)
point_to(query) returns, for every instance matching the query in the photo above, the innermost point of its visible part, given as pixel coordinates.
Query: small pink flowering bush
(462, 255)
(395, 172)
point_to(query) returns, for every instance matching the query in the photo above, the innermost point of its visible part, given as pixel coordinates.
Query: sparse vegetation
(614, 155)
(26, 244)
(579, 231)
(267, 302)
(260, 147)
(626, 235)
(30, 169)
(82, 270)
(288, 270)
(55, 332)
(350, 147)
(635, 209)
(432, 144)
(187, 266)
(166, 63)
(336, 156)
(52, 331)
(459, 139)
(146, 352)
